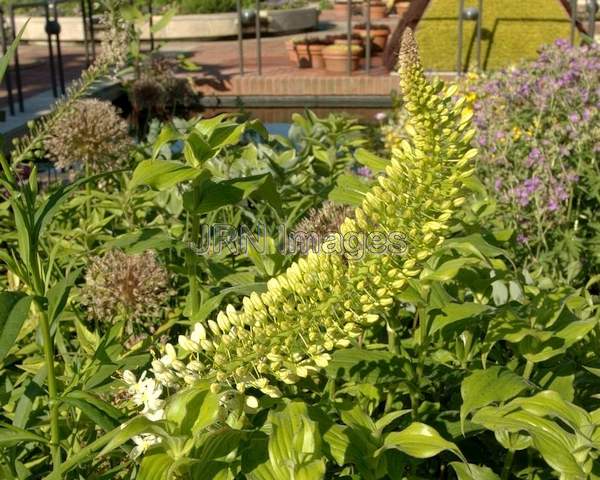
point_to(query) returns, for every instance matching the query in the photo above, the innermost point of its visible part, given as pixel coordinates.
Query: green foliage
(446, 360)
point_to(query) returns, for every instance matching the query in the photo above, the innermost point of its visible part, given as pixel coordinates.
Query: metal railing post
(50, 52)
(61, 72)
(258, 39)
(459, 63)
(85, 32)
(90, 12)
(368, 46)
(592, 10)
(479, 22)
(573, 20)
(151, 24)
(240, 37)
(349, 25)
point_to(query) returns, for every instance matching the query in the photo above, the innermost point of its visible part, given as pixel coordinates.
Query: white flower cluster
(145, 393)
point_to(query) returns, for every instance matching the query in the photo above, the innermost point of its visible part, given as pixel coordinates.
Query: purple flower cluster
(538, 131)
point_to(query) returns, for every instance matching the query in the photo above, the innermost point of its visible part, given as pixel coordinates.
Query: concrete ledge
(185, 27)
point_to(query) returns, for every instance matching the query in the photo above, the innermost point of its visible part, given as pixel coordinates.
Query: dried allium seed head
(93, 133)
(325, 220)
(147, 94)
(134, 285)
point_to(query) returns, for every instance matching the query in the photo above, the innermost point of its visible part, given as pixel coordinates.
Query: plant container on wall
(336, 58)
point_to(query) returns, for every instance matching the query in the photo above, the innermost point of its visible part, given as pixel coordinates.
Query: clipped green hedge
(513, 30)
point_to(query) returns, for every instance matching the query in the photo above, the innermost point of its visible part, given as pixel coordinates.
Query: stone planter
(402, 8)
(336, 58)
(185, 27)
(379, 36)
(378, 10)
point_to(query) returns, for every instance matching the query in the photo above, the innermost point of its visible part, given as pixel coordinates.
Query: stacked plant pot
(378, 33)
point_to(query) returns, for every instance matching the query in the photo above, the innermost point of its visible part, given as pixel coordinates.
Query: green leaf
(475, 244)
(193, 409)
(161, 174)
(14, 309)
(367, 366)
(97, 410)
(164, 20)
(58, 295)
(295, 444)
(349, 190)
(130, 429)
(10, 53)
(420, 441)
(141, 241)
(210, 305)
(455, 312)
(468, 471)
(167, 134)
(155, 466)
(11, 435)
(369, 159)
(482, 387)
(449, 269)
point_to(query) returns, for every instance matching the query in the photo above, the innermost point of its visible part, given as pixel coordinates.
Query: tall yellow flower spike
(324, 301)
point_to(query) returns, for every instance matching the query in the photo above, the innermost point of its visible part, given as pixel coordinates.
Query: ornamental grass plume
(324, 301)
(92, 133)
(134, 287)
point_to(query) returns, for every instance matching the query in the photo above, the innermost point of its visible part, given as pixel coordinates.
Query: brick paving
(220, 72)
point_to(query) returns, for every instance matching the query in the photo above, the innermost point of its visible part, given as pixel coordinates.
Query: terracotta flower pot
(402, 8)
(336, 58)
(340, 10)
(310, 55)
(378, 10)
(291, 51)
(379, 36)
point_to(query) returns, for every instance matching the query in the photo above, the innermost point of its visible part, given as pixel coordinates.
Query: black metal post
(16, 61)
(151, 13)
(50, 53)
(7, 73)
(90, 13)
(479, 22)
(61, 72)
(592, 10)
(349, 37)
(573, 20)
(258, 39)
(85, 33)
(459, 63)
(368, 53)
(240, 37)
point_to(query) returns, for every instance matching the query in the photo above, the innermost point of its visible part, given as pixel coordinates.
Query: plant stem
(192, 264)
(52, 389)
(508, 460)
(528, 369)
